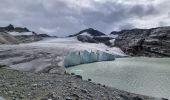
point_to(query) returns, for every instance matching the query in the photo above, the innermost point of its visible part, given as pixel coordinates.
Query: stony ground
(15, 85)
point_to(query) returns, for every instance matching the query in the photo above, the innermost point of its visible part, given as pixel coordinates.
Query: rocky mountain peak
(89, 31)
(11, 28)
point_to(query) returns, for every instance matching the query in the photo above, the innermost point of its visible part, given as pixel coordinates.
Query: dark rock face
(20, 29)
(102, 39)
(43, 35)
(7, 28)
(90, 31)
(145, 42)
(137, 98)
(85, 38)
(12, 28)
(95, 39)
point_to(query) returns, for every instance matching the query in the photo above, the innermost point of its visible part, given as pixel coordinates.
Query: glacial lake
(141, 75)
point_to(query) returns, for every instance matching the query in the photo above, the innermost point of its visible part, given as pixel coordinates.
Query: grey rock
(144, 42)
(85, 38)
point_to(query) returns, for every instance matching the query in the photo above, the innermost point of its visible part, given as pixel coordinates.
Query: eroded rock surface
(145, 42)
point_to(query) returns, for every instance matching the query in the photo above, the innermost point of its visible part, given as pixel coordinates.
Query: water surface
(147, 76)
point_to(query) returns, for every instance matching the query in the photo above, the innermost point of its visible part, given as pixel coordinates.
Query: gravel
(16, 85)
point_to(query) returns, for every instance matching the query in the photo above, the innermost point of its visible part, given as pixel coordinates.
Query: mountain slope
(6, 38)
(11, 28)
(13, 35)
(92, 36)
(145, 42)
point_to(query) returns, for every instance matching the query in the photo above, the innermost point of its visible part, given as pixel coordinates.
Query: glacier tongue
(82, 57)
(52, 55)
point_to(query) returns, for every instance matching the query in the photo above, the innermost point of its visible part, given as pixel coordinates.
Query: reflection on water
(147, 76)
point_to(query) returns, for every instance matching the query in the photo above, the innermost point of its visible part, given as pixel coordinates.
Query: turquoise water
(147, 76)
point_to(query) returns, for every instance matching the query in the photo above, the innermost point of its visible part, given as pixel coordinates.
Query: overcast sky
(64, 17)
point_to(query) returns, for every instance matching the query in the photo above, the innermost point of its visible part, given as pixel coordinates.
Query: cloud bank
(64, 17)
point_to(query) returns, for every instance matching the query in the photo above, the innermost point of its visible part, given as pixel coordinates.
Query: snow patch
(22, 33)
(113, 36)
(87, 34)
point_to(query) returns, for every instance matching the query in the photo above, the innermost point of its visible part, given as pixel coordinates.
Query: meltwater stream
(147, 76)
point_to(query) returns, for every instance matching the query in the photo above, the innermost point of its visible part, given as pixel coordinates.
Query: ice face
(82, 57)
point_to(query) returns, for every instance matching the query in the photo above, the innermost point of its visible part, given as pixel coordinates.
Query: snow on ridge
(22, 33)
(112, 35)
(87, 34)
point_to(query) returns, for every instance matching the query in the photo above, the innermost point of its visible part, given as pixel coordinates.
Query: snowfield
(73, 44)
(22, 33)
(52, 54)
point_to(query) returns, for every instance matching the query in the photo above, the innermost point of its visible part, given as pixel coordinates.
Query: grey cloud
(126, 26)
(169, 14)
(62, 19)
(143, 10)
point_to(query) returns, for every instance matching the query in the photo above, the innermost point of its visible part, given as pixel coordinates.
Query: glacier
(82, 53)
(55, 54)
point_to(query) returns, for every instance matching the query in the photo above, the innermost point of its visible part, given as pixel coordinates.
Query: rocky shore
(16, 85)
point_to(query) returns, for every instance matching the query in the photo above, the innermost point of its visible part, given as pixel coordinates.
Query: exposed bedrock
(145, 42)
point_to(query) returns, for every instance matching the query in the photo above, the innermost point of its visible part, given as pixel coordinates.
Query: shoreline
(43, 86)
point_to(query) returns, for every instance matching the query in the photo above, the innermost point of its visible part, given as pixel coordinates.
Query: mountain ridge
(90, 31)
(16, 35)
(153, 42)
(145, 42)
